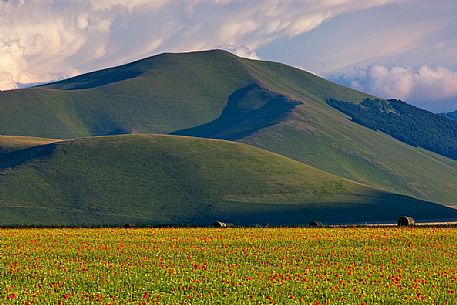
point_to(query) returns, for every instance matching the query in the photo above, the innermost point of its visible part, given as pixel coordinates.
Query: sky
(404, 49)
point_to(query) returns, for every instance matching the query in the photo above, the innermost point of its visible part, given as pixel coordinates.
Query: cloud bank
(53, 39)
(423, 84)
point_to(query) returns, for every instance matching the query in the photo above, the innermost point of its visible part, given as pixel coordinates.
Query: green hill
(159, 179)
(215, 94)
(171, 92)
(317, 134)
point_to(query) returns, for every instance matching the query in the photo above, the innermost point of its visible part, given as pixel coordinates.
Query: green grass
(318, 135)
(12, 143)
(159, 179)
(172, 92)
(192, 92)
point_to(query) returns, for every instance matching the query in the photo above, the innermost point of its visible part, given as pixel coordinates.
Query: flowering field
(228, 266)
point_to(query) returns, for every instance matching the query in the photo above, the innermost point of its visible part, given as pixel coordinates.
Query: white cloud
(420, 85)
(390, 82)
(435, 82)
(241, 51)
(51, 39)
(105, 5)
(38, 42)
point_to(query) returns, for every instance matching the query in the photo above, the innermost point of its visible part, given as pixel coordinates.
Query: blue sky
(391, 48)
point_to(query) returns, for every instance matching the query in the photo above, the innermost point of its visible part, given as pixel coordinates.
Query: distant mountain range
(335, 131)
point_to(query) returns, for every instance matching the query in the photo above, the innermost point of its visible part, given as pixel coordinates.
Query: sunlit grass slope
(316, 134)
(11, 143)
(170, 92)
(159, 179)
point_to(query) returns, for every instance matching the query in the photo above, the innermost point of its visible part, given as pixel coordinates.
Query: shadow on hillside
(18, 157)
(378, 208)
(248, 110)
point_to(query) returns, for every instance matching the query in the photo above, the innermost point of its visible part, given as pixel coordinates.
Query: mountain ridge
(180, 92)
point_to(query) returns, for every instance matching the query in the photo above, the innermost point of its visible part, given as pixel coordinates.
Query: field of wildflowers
(229, 266)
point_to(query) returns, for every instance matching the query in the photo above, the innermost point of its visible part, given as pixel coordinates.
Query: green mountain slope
(12, 143)
(171, 92)
(404, 122)
(248, 110)
(153, 179)
(215, 94)
(323, 137)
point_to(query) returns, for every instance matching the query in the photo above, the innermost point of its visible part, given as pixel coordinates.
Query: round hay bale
(219, 224)
(316, 223)
(405, 221)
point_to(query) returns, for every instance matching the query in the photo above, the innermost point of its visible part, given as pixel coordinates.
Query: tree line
(404, 122)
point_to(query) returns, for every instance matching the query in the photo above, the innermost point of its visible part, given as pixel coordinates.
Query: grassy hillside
(11, 143)
(215, 94)
(170, 92)
(248, 110)
(151, 179)
(321, 136)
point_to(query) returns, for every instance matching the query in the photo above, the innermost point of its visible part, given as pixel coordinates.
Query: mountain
(160, 179)
(160, 94)
(215, 94)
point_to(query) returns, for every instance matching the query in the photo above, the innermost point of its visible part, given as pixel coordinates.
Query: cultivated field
(229, 266)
